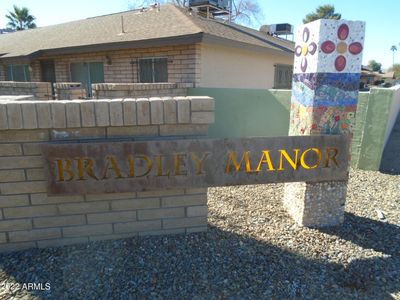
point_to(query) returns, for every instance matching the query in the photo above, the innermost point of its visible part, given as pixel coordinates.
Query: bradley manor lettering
(137, 166)
(83, 168)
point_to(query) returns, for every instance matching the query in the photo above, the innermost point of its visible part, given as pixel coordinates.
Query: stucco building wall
(225, 67)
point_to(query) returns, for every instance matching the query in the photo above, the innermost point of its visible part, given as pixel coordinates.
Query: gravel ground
(252, 249)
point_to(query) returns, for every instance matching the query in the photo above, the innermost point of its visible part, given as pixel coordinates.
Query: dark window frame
(279, 71)
(154, 74)
(11, 69)
(86, 64)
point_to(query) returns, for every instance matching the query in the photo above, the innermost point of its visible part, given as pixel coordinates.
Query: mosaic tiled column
(326, 78)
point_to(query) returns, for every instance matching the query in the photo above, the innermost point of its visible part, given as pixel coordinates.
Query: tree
(393, 48)
(375, 66)
(20, 19)
(243, 11)
(396, 69)
(322, 12)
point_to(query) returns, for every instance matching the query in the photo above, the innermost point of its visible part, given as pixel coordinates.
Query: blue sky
(381, 17)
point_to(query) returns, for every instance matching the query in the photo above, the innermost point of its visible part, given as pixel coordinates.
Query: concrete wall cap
(97, 113)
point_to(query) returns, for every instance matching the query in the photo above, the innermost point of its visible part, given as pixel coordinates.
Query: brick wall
(69, 91)
(36, 75)
(121, 65)
(29, 218)
(2, 72)
(134, 90)
(75, 90)
(40, 90)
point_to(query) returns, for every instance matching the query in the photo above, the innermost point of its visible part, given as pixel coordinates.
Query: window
(87, 73)
(283, 76)
(153, 70)
(18, 73)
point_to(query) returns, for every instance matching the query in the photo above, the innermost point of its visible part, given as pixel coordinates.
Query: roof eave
(168, 41)
(22, 59)
(212, 39)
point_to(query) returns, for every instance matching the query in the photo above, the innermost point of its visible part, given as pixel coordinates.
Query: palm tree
(393, 48)
(20, 19)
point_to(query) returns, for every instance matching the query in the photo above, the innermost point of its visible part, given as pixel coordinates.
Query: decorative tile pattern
(327, 66)
(325, 89)
(326, 77)
(329, 46)
(321, 120)
(345, 81)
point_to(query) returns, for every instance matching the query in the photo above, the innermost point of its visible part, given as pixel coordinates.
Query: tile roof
(168, 22)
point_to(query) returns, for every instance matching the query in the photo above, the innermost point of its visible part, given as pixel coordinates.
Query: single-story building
(369, 77)
(159, 44)
(389, 77)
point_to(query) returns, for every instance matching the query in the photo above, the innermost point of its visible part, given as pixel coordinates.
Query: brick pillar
(326, 78)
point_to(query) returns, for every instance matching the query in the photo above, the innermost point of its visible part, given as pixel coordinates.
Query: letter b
(65, 168)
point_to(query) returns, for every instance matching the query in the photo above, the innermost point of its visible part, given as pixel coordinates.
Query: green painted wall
(374, 128)
(361, 117)
(249, 112)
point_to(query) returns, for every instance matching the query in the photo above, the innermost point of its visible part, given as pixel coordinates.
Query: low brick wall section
(69, 90)
(39, 90)
(134, 90)
(29, 218)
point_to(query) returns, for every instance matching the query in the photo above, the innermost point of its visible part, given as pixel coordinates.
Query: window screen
(18, 73)
(9, 73)
(96, 72)
(160, 70)
(87, 73)
(153, 70)
(283, 76)
(146, 70)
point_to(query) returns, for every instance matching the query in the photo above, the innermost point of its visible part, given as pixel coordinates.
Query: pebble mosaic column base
(316, 204)
(326, 78)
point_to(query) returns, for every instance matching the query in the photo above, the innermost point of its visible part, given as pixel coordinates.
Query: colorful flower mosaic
(326, 77)
(305, 49)
(324, 100)
(321, 120)
(342, 47)
(329, 46)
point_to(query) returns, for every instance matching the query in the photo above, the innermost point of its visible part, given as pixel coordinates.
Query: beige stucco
(227, 67)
